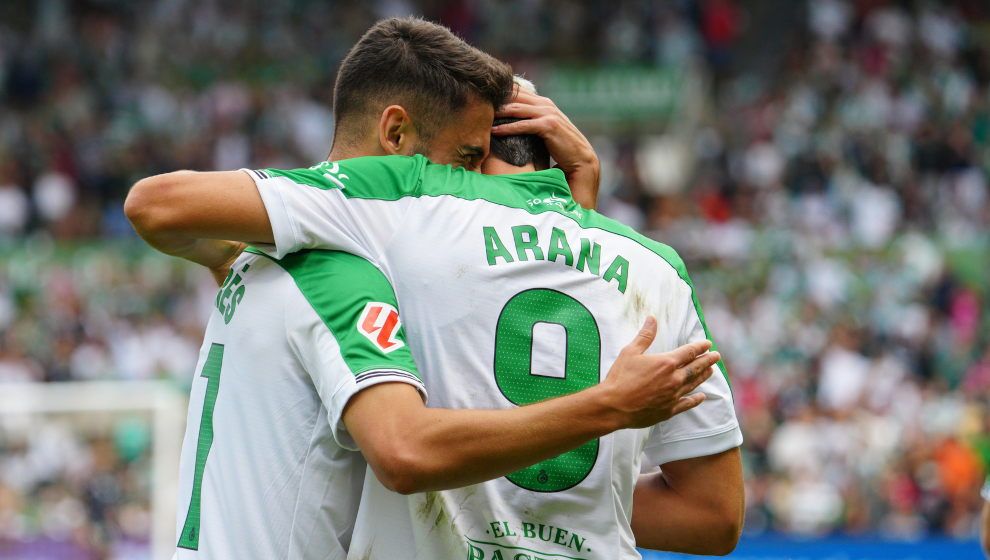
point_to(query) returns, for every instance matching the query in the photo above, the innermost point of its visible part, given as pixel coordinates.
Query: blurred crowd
(98, 311)
(78, 487)
(73, 489)
(832, 207)
(838, 227)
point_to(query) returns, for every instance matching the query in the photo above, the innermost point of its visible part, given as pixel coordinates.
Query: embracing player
(294, 339)
(508, 279)
(506, 275)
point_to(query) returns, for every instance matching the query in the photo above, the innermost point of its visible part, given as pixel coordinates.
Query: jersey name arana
(527, 244)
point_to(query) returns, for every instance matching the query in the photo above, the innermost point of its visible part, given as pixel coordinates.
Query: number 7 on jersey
(211, 371)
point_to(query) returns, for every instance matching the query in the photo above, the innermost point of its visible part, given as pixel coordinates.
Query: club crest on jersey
(331, 169)
(380, 323)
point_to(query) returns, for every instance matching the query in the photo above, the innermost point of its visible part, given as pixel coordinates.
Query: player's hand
(650, 388)
(568, 147)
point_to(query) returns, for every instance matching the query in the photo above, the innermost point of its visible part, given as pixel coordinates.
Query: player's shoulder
(665, 255)
(329, 279)
(377, 177)
(332, 266)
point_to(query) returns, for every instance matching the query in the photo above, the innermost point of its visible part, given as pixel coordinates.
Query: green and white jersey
(262, 474)
(511, 294)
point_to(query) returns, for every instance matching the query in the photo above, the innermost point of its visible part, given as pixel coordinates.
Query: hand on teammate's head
(567, 146)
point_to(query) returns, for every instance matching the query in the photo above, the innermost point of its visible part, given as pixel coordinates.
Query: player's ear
(396, 132)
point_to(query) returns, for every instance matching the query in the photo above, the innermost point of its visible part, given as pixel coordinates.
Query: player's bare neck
(495, 166)
(345, 149)
(348, 152)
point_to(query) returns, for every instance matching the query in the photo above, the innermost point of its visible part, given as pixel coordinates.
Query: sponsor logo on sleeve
(380, 323)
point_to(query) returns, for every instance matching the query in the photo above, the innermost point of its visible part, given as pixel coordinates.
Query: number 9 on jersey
(552, 314)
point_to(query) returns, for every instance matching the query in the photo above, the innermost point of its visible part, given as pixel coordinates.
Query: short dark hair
(520, 149)
(419, 65)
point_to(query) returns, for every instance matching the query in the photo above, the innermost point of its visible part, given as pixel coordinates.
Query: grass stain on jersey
(441, 517)
(449, 513)
(637, 306)
(368, 552)
(534, 514)
(436, 501)
(427, 506)
(441, 504)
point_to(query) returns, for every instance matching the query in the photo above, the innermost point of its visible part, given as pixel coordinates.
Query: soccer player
(505, 275)
(690, 493)
(510, 269)
(261, 474)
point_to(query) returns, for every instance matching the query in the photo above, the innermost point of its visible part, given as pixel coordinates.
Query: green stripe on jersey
(391, 178)
(339, 286)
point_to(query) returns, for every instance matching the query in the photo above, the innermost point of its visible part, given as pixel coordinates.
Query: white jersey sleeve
(344, 327)
(712, 426)
(354, 206)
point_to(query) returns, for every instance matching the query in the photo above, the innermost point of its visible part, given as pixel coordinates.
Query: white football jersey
(288, 343)
(512, 294)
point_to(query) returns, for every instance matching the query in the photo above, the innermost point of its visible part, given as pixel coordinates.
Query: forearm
(185, 214)
(699, 510)
(584, 183)
(172, 210)
(215, 254)
(210, 253)
(413, 449)
(441, 449)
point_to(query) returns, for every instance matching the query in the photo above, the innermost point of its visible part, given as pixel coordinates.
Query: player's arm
(697, 504)
(568, 147)
(412, 448)
(215, 254)
(174, 208)
(693, 506)
(345, 328)
(985, 529)
(985, 519)
(172, 212)
(294, 210)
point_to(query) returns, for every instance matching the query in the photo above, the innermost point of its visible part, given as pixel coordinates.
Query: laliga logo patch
(380, 323)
